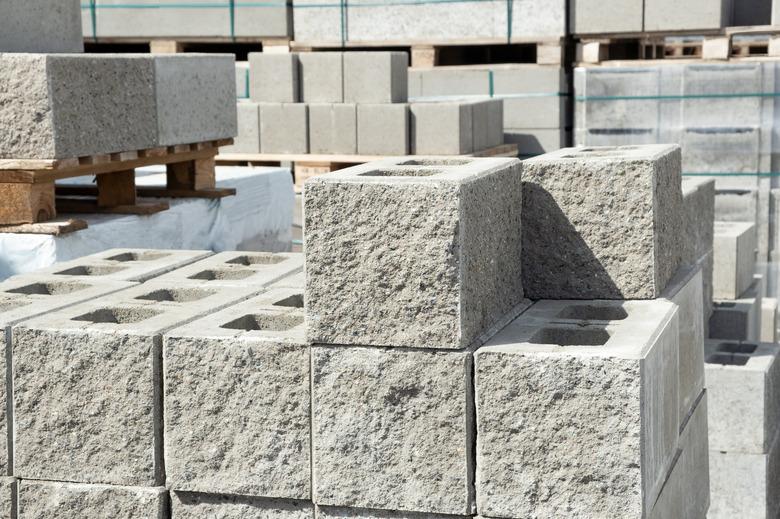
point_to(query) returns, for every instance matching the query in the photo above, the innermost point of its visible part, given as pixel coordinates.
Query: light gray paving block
(441, 256)
(737, 205)
(589, 16)
(41, 26)
(487, 124)
(146, 19)
(57, 500)
(665, 15)
(322, 77)
(284, 128)
(375, 77)
(248, 139)
(97, 365)
(274, 77)
(441, 128)
(383, 129)
(250, 362)
(187, 505)
(734, 248)
(602, 223)
(399, 419)
(738, 320)
(239, 269)
(333, 128)
(768, 319)
(331, 512)
(531, 142)
(292, 281)
(596, 379)
(451, 81)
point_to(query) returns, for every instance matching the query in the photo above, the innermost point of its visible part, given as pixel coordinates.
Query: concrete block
(98, 367)
(292, 281)
(58, 500)
(589, 16)
(739, 319)
(532, 142)
(442, 128)
(239, 269)
(251, 361)
(331, 512)
(284, 128)
(626, 248)
(444, 258)
(274, 77)
(768, 320)
(532, 95)
(373, 411)
(248, 139)
(665, 15)
(375, 77)
(263, 20)
(723, 150)
(487, 124)
(41, 26)
(322, 77)
(603, 372)
(186, 505)
(734, 247)
(333, 128)
(737, 205)
(242, 79)
(383, 129)
(451, 81)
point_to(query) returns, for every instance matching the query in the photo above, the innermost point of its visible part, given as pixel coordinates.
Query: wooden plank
(425, 56)
(161, 192)
(165, 47)
(549, 53)
(26, 203)
(80, 205)
(15, 175)
(53, 228)
(116, 189)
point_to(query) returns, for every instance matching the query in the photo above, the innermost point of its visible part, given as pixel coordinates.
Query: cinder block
(383, 129)
(333, 128)
(768, 319)
(665, 15)
(452, 81)
(724, 150)
(284, 128)
(739, 319)
(734, 248)
(596, 379)
(603, 223)
(57, 500)
(532, 142)
(737, 205)
(186, 505)
(373, 414)
(274, 77)
(251, 361)
(292, 281)
(487, 122)
(239, 269)
(375, 77)
(444, 257)
(441, 128)
(98, 367)
(41, 26)
(589, 16)
(322, 77)
(330, 512)
(533, 95)
(248, 139)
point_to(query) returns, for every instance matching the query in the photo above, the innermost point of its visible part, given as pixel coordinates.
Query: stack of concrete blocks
(636, 16)
(699, 222)
(40, 26)
(535, 99)
(743, 386)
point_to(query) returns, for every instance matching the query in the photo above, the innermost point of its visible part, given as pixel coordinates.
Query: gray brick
(375, 77)
(383, 129)
(442, 128)
(274, 77)
(284, 128)
(322, 77)
(41, 26)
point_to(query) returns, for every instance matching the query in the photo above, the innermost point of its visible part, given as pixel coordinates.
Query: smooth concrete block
(737, 205)
(251, 362)
(399, 419)
(739, 319)
(41, 26)
(322, 77)
(242, 79)
(533, 95)
(331, 512)
(58, 500)
(186, 505)
(602, 223)
(441, 128)
(98, 367)
(383, 129)
(333, 128)
(269, 20)
(533, 142)
(274, 77)
(666, 15)
(596, 379)
(375, 77)
(589, 16)
(768, 319)
(248, 138)
(699, 205)
(724, 150)
(284, 128)
(734, 247)
(239, 269)
(438, 237)
(451, 81)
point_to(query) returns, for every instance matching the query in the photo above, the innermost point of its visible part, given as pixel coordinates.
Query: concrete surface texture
(737, 319)
(375, 77)
(333, 128)
(284, 128)
(383, 129)
(589, 16)
(196, 506)
(274, 78)
(322, 77)
(698, 200)
(768, 319)
(665, 15)
(238, 269)
(41, 26)
(427, 120)
(735, 258)
(248, 136)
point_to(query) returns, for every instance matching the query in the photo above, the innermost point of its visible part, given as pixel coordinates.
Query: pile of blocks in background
(347, 103)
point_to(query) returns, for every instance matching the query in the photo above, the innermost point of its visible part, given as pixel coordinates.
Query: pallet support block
(116, 189)
(196, 174)
(27, 202)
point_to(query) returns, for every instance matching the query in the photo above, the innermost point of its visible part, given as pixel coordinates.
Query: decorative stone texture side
(186, 505)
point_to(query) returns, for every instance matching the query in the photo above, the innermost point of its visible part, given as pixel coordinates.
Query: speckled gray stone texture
(333, 128)
(322, 77)
(330, 512)
(383, 129)
(8, 497)
(273, 78)
(602, 223)
(392, 429)
(56, 500)
(375, 77)
(40, 26)
(186, 505)
(427, 121)
(238, 269)
(284, 128)
(424, 261)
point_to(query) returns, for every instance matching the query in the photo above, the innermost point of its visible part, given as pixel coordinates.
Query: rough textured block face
(55, 500)
(239, 269)
(735, 259)
(603, 372)
(322, 77)
(273, 78)
(197, 506)
(437, 266)
(603, 223)
(429, 119)
(41, 26)
(383, 129)
(743, 382)
(375, 77)
(284, 128)
(8, 497)
(333, 128)
(699, 213)
(97, 367)
(330, 512)
(292, 281)
(248, 139)
(737, 320)
(250, 361)
(399, 419)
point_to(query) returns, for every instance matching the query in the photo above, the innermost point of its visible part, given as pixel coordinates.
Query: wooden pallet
(193, 44)
(29, 194)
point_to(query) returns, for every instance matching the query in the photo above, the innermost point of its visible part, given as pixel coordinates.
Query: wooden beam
(26, 203)
(115, 189)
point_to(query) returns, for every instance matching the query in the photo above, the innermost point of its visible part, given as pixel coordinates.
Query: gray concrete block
(752, 12)
(495, 132)
(274, 77)
(737, 205)
(603, 372)
(331, 512)
(532, 142)
(768, 320)
(375, 77)
(57, 500)
(41, 26)
(487, 123)
(739, 319)
(98, 367)
(699, 205)
(333, 128)
(441, 128)
(665, 15)
(723, 150)
(373, 411)
(322, 77)
(383, 129)
(452, 81)
(186, 505)
(239, 269)
(248, 139)
(251, 362)
(242, 79)
(443, 258)
(269, 20)
(734, 246)
(145, 18)
(593, 16)
(775, 12)
(292, 281)
(8, 491)
(284, 128)
(626, 248)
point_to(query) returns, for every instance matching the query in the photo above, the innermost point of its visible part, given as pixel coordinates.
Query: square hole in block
(90, 270)
(274, 323)
(295, 301)
(6, 305)
(727, 359)
(401, 173)
(177, 295)
(48, 289)
(222, 275)
(435, 162)
(571, 337)
(725, 304)
(737, 347)
(593, 313)
(256, 259)
(139, 256)
(118, 315)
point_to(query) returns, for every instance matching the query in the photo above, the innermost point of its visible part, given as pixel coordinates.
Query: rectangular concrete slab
(284, 128)
(383, 129)
(185, 505)
(41, 26)
(768, 319)
(698, 207)
(737, 320)
(273, 78)
(665, 15)
(589, 16)
(333, 128)
(536, 141)
(239, 269)
(487, 124)
(375, 77)
(242, 79)
(442, 128)
(322, 77)
(734, 246)
(444, 258)
(248, 138)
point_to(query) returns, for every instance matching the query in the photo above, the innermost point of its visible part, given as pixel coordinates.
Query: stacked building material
(40, 26)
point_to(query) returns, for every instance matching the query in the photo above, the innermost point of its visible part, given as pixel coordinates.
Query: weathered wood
(54, 228)
(26, 203)
(192, 175)
(165, 47)
(116, 189)
(79, 205)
